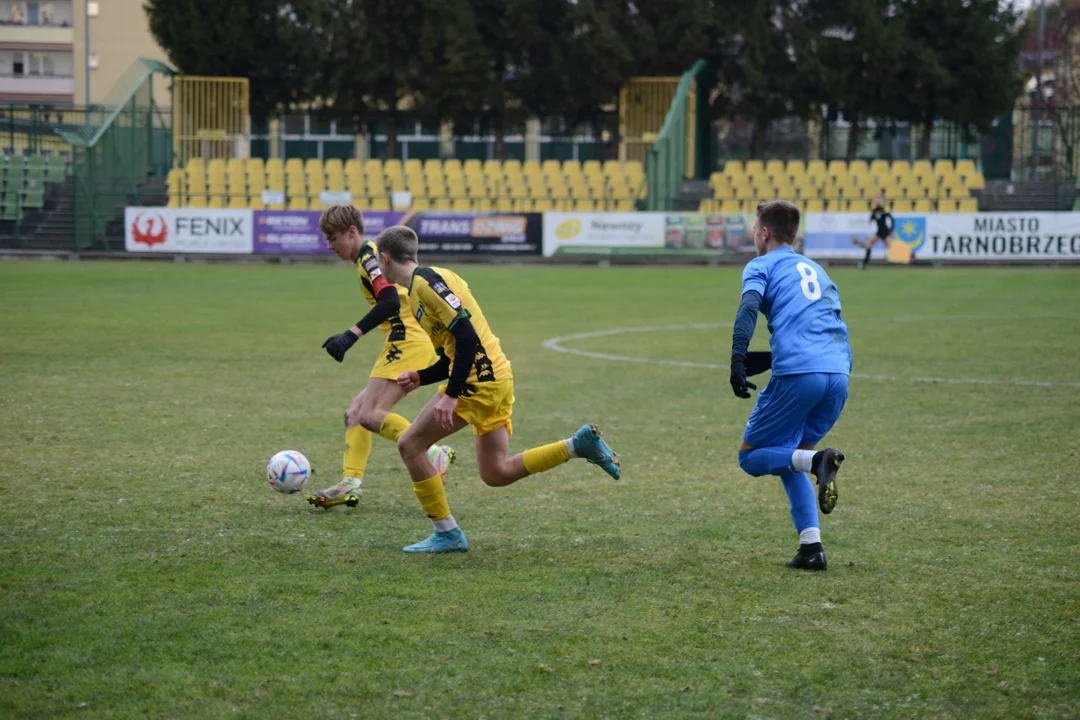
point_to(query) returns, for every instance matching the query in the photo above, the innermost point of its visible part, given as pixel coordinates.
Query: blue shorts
(794, 410)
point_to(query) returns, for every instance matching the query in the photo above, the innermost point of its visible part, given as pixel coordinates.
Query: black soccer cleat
(809, 557)
(824, 466)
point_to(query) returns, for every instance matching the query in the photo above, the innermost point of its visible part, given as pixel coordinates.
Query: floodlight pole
(1036, 119)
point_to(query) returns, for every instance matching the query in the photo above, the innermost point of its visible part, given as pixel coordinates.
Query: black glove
(739, 383)
(758, 362)
(338, 345)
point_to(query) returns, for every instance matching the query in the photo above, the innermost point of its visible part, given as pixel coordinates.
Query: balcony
(39, 85)
(36, 34)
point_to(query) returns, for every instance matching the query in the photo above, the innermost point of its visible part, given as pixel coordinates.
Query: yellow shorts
(398, 357)
(487, 406)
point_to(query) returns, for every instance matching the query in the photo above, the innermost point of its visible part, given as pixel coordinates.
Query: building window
(33, 13)
(95, 60)
(92, 9)
(18, 64)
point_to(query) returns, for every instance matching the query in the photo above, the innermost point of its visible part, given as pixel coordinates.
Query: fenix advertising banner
(187, 230)
(1000, 236)
(285, 231)
(646, 233)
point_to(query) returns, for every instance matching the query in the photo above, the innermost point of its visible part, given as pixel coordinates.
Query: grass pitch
(146, 569)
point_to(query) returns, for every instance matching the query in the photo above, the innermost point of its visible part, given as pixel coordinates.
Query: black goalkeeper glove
(758, 362)
(338, 345)
(739, 383)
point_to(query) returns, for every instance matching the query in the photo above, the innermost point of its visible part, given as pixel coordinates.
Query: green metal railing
(120, 144)
(673, 157)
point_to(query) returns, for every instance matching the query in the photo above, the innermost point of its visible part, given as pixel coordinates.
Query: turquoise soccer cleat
(440, 542)
(590, 445)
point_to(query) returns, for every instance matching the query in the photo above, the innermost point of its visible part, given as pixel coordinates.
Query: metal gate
(643, 104)
(210, 118)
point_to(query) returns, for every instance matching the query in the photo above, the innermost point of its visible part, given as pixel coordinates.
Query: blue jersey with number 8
(802, 306)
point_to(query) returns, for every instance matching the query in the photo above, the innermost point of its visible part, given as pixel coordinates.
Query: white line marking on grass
(556, 344)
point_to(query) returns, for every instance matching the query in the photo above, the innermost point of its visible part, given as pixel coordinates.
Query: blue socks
(797, 485)
(803, 499)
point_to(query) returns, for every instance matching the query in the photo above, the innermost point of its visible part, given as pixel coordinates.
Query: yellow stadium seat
(174, 201)
(612, 167)
(745, 192)
(333, 165)
(717, 179)
(274, 165)
(879, 168)
(216, 166)
(255, 166)
(492, 167)
(275, 182)
(195, 164)
(959, 192)
(974, 181)
(705, 205)
(965, 167)
(313, 166)
(443, 203)
(734, 167)
(943, 167)
(814, 206)
(901, 168)
(255, 202)
(234, 165)
(901, 206)
(373, 165)
(237, 202)
(461, 204)
(922, 206)
(217, 202)
(947, 206)
(796, 167)
(196, 201)
(730, 206)
(473, 165)
(592, 167)
(354, 167)
(724, 192)
(414, 165)
(624, 206)
(922, 169)
(452, 165)
(755, 167)
(837, 167)
(380, 203)
(433, 166)
(294, 165)
(335, 183)
(298, 202)
(393, 167)
(634, 168)
(858, 169)
(176, 179)
(967, 205)
(420, 203)
(774, 168)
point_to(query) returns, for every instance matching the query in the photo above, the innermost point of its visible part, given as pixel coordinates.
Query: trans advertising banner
(187, 230)
(287, 232)
(647, 233)
(998, 236)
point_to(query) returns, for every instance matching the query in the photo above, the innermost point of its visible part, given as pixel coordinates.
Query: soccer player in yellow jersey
(479, 391)
(406, 347)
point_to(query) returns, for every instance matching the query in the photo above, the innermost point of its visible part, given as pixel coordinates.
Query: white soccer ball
(288, 471)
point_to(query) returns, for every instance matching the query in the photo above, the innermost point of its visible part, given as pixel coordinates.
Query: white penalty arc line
(556, 344)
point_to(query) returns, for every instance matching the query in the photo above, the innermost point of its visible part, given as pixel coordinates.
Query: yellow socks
(545, 457)
(357, 451)
(393, 425)
(432, 498)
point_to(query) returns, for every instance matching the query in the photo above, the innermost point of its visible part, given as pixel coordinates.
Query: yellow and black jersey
(438, 298)
(400, 327)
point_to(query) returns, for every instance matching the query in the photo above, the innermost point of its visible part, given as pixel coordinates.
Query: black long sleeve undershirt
(466, 343)
(386, 306)
(745, 322)
(437, 372)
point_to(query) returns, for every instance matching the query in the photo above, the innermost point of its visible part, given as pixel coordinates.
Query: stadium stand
(26, 179)
(846, 187)
(510, 186)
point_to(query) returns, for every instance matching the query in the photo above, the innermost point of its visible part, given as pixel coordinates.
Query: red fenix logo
(152, 231)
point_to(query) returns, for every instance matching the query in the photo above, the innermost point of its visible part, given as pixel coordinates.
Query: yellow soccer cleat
(345, 493)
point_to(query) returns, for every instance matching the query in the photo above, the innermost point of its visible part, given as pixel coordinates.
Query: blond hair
(399, 242)
(782, 219)
(339, 218)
